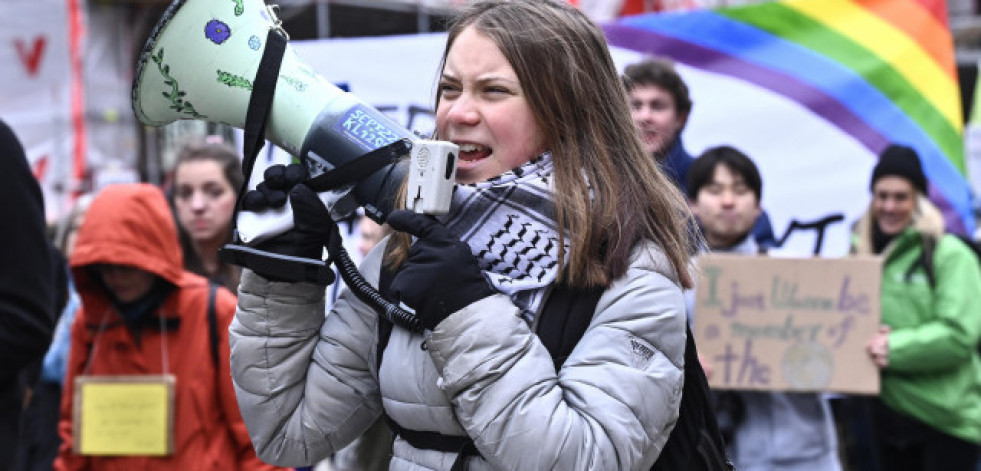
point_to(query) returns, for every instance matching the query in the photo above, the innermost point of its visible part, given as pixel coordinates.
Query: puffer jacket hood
(127, 224)
(927, 221)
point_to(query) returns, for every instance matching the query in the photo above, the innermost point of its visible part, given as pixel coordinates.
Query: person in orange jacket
(143, 314)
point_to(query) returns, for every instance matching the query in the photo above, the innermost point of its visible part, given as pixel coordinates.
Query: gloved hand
(312, 224)
(311, 230)
(440, 275)
(277, 181)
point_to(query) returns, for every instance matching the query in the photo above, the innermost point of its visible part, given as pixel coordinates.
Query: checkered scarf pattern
(509, 223)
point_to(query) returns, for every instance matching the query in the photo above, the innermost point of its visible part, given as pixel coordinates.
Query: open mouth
(474, 152)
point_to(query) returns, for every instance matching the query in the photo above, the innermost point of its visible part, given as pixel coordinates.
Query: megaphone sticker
(359, 126)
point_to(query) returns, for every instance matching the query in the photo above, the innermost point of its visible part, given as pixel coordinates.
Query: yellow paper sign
(124, 415)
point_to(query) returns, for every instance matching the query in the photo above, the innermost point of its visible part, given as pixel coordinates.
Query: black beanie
(901, 161)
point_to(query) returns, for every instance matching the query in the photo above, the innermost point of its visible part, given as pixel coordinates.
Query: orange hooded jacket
(131, 224)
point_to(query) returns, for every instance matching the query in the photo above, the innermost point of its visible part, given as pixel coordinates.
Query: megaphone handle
(278, 266)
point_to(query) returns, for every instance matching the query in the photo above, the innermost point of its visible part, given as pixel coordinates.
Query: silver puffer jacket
(308, 385)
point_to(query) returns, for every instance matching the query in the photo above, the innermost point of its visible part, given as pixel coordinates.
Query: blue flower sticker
(217, 31)
(255, 43)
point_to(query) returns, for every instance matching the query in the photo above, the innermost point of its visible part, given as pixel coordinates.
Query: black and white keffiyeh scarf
(509, 223)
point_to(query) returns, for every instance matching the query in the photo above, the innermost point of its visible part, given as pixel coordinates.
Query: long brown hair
(228, 159)
(609, 194)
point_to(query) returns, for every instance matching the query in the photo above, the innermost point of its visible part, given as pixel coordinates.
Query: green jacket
(934, 371)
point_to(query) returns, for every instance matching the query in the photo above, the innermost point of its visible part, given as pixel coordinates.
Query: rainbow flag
(879, 71)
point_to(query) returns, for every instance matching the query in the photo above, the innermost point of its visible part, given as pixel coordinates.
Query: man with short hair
(769, 431)
(660, 105)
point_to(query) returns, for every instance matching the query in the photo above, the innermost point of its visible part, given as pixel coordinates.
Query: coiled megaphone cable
(364, 291)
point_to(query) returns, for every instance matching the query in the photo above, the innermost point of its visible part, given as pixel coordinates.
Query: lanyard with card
(124, 415)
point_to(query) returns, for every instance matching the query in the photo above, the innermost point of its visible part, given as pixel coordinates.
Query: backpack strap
(695, 442)
(384, 325)
(213, 323)
(925, 261)
(929, 249)
(565, 318)
(424, 440)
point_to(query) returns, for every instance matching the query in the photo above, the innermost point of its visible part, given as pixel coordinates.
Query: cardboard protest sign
(788, 324)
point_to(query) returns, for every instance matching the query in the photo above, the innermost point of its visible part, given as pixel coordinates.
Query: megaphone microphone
(230, 62)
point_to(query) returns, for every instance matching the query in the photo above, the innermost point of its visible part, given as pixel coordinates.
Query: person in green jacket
(928, 414)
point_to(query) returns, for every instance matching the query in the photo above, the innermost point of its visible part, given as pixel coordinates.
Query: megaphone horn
(200, 62)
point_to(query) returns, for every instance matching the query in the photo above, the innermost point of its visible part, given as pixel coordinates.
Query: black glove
(277, 181)
(311, 230)
(312, 227)
(441, 275)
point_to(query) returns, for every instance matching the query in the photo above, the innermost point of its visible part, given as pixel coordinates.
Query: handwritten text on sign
(797, 324)
(124, 415)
